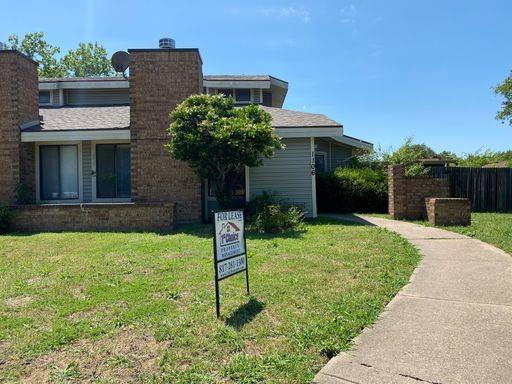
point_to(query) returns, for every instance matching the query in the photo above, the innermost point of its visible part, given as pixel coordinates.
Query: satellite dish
(120, 61)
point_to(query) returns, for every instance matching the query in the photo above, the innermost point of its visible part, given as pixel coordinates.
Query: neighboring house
(89, 153)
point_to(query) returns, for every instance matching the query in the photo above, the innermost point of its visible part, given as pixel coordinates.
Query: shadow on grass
(347, 219)
(245, 313)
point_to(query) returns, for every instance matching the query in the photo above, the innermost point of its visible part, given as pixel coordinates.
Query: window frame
(51, 97)
(78, 144)
(324, 155)
(95, 197)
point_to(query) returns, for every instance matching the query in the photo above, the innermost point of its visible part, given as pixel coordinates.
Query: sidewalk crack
(419, 379)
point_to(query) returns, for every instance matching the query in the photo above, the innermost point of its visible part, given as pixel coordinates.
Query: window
(45, 97)
(267, 99)
(320, 162)
(243, 96)
(58, 172)
(113, 179)
(226, 92)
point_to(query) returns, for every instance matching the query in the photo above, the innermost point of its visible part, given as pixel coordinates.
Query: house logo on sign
(229, 234)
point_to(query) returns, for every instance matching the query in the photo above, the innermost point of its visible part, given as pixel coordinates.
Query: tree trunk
(223, 192)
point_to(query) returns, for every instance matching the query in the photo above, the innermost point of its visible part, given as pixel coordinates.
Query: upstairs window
(58, 172)
(243, 96)
(267, 99)
(45, 97)
(113, 171)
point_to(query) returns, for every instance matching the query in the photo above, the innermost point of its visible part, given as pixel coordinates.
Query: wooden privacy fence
(488, 189)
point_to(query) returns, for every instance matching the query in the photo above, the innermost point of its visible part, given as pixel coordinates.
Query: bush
(264, 214)
(352, 190)
(5, 217)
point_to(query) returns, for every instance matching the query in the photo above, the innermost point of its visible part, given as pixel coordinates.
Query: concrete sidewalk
(451, 324)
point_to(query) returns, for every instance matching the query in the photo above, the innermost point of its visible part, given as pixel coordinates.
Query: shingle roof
(77, 118)
(286, 118)
(240, 78)
(118, 117)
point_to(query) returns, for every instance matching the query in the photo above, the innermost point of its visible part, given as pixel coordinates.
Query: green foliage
(266, 215)
(409, 155)
(87, 60)
(505, 89)
(35, 47)
(215, 138)
(480, 158)
(352, 190)
(6, 215)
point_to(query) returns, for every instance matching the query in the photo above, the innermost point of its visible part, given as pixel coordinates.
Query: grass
(140, 307)
(493, 228)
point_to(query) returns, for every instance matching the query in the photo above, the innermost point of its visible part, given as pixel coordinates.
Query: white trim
(313, 176)
(91, 84)
(352, 142)
(236, 84)
(80, 175)
(79, 135)
(247, 185)
(309, 132)
(94, 197)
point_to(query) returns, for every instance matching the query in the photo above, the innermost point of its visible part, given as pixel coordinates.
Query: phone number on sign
(231, 266)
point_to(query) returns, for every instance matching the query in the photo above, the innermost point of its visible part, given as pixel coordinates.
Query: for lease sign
(229, 234)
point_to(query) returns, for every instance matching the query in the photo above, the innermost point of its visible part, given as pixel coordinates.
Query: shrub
(5, 217)
(265, 214)
(352, 190)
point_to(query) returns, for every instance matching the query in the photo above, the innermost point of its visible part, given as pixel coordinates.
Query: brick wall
(159, 80)
(407, 194)
(18, 105)
(452, 211)
(94, 217)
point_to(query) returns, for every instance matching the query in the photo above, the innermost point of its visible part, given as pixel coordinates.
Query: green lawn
(140, 307)
(493, 228)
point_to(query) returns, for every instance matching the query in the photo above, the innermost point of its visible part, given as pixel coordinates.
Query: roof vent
(166, 43)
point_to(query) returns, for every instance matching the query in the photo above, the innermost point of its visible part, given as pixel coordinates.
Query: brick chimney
(18, 106)
(159, 80)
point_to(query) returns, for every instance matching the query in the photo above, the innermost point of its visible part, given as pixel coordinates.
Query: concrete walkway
(451, 324)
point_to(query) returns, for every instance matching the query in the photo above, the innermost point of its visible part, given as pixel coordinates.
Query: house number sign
(229, 248)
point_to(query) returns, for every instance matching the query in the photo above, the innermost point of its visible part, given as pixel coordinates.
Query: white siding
(287, 174)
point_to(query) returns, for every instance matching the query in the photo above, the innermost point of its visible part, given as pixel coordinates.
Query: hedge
(352, 190)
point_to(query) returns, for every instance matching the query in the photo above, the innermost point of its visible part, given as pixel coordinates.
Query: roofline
(355, 138)
(308, 126)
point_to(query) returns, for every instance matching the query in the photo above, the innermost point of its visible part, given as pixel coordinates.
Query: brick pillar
(159, 80)
(397, 191)
(18, 106)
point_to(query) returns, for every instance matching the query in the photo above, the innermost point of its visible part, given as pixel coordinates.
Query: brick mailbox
(448, 211)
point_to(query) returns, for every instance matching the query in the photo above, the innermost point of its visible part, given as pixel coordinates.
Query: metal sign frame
(216, 262)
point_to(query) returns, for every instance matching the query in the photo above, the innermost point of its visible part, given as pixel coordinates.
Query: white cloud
(290, 13)
(348, 14)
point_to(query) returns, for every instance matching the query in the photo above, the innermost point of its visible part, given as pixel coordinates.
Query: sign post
(229, 248)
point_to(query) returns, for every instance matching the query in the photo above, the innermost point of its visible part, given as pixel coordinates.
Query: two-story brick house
(88, 153)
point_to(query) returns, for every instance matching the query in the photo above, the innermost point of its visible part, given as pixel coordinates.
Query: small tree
(87, 60)
(216, 138)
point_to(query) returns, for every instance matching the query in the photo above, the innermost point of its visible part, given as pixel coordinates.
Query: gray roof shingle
(77, 118)
(118, 117)
(286, 118)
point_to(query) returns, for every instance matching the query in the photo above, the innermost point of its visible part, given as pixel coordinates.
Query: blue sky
(385, 69)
